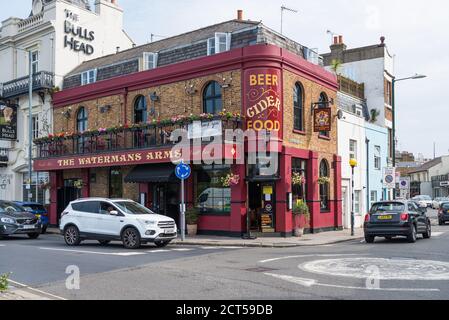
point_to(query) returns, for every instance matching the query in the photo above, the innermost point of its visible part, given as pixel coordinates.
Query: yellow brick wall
(173, 101)
(326, 148)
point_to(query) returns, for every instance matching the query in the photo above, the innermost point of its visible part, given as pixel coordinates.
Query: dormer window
(88, 77)
(220, 43)
(149, 60)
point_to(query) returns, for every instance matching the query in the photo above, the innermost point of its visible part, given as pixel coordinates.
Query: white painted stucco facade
(44, 32)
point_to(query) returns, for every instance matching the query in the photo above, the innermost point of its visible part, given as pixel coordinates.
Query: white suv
(106, 220)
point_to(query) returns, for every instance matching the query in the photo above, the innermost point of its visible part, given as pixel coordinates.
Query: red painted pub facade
(116, 154)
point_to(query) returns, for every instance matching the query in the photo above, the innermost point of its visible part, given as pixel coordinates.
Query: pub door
(65, 196)
(166, 200)
(261, 199)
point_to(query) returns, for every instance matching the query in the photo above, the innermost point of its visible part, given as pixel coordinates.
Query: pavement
(317, 239)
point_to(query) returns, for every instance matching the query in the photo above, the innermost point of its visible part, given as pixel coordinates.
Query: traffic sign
(183, 171)
(390, 178)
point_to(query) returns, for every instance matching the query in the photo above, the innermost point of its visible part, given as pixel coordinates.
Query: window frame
(35, 126)
(216, 171)
(324, 188)
(35, 61)
(88, 77)
(144, 110)
(377, 158)
(214, 97)
(298, 107)
(353, 144)
(215, 44)
(146, 60)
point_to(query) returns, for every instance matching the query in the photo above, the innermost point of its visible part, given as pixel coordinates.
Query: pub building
(112, 135)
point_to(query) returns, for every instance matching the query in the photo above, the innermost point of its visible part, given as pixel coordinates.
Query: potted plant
(192, 218)
(300, 210)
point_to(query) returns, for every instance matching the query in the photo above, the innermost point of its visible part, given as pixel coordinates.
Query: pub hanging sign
(8, 121)
(322, 119)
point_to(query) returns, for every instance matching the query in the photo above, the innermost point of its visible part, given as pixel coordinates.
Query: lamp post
(393, 101)
(30, 124)
(353, 164)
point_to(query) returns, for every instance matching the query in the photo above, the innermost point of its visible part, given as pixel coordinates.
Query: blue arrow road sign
(183, 171)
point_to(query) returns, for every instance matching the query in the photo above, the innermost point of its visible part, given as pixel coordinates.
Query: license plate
(385, 218)
(29, 227)
(169, 231)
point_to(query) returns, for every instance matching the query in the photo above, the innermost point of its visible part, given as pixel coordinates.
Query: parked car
(15, 220)
(396, 218)
(38, 210)
(438, 201)
(424, 201)
(107, 220)
(443, 213)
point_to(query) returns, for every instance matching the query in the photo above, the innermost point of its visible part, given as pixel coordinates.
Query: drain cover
(260, 269)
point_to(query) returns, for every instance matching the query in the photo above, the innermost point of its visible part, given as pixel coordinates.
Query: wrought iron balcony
(123, 138)
(42, 80)
(4, 157)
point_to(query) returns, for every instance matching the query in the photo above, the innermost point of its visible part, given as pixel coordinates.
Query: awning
(163, 172)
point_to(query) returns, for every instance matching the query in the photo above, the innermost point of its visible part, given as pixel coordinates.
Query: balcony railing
(4, 157)
(351, 87)
(117, 139)
(17, 87)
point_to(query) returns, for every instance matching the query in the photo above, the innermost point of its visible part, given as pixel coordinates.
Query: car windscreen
(33, 207)
(426, 198)
(10, 207)
(132, 207)
(388, 207)
(445, 206)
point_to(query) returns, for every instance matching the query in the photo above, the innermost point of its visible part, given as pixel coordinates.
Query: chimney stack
(338, 44)
(240, 15)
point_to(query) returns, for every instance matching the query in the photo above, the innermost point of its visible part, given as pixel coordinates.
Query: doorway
(261, 200)
(166, 200)
(66, 194)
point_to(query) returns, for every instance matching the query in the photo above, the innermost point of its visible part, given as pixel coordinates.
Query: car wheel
(428, 233)
(33, 235)
(369, 239)
(412, 236)
(44, 230)
(161, 244)
(104, 242)
(131, 238)
(72, 236)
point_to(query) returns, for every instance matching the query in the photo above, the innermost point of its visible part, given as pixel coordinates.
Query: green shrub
(192, 216)
(4, 282)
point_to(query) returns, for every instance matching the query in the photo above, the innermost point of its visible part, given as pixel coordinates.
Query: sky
(415, 31)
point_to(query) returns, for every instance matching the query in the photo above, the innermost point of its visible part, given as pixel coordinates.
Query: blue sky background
(415, 31)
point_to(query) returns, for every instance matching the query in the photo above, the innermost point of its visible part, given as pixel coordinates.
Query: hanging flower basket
(298, 179)
(324, 180)
(230, 180)
(79, 184)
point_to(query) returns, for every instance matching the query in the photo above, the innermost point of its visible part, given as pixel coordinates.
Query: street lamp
(353, 164)
(393, 98)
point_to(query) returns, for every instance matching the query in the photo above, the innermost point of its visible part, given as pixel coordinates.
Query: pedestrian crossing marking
(437, 234)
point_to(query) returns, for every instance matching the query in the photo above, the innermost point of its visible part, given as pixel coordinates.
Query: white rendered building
(60, 34)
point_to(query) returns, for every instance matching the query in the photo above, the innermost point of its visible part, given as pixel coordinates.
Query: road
(352, 270)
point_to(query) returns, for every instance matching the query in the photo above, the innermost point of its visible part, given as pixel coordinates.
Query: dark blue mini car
(38, 210)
